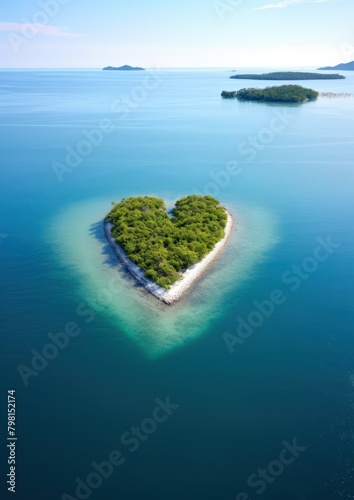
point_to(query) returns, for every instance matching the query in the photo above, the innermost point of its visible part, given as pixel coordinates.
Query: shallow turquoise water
(157, 329)
(286, 174)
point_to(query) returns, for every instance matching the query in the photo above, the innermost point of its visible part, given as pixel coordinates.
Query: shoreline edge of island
(188, 278)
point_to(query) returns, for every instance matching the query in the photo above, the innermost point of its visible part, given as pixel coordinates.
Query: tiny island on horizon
(126, 67)
(167, 251)
(289, 75)
(342, 66)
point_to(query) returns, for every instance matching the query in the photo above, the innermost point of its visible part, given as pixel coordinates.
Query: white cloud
(286, 3)
(40, 29)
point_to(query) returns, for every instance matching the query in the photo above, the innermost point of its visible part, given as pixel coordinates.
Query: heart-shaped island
(167, 251)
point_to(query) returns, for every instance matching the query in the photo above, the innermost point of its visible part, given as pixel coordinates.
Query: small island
(167, 251)
(282, 93)
(343, 67)
(289, 75)
(123, 68)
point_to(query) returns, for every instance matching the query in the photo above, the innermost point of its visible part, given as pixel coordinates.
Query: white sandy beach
(189, 277)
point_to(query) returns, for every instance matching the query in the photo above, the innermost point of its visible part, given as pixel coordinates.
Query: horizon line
(154, 67)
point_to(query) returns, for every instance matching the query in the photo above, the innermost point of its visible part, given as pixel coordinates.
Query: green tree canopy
(165, 246)
(282, 93)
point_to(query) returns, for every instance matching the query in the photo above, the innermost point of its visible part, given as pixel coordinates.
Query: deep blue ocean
(245, 388)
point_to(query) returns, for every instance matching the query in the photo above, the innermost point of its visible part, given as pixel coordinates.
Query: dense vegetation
(229, 94)
(162, 246)
(283, 93)
(289, 75)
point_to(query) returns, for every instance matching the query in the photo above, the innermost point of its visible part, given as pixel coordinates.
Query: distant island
(123, 68)
(343, 67)
(282, 93)
(167, 251)
(289, 75)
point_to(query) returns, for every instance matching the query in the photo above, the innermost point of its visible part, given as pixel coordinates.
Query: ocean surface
(253, 372)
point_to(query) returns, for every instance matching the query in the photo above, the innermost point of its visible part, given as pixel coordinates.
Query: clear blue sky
(182, 33)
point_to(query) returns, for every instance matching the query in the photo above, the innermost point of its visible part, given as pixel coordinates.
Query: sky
(182, 33)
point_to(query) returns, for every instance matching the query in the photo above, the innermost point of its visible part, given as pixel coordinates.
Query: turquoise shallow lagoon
(152, 325)
(286, 173)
